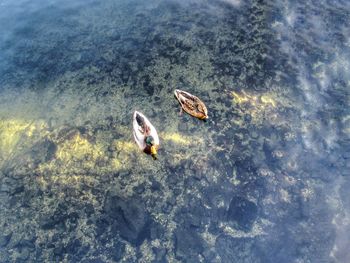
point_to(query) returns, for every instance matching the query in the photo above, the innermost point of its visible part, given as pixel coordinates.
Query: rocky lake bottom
(265, 179)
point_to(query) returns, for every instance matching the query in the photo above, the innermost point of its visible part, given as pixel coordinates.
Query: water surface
(266, 179)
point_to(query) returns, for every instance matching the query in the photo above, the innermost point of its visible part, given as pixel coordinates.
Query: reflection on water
(264, 180)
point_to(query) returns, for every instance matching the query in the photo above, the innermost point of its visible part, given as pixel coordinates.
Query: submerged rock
(128, 217)
(242, 213)
(44, 151)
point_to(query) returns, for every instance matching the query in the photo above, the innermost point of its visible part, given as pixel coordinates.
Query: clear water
(266, 179)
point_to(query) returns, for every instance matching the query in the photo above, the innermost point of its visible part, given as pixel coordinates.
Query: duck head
(150, 143)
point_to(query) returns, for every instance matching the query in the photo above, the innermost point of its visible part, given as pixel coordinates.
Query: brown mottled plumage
(191, 104)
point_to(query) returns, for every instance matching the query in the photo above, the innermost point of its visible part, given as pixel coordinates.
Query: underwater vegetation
(265, 179)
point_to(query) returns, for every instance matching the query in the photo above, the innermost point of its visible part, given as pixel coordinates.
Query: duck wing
(142, 127)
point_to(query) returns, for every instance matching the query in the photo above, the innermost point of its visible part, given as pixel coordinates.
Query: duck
(191, 104)
(145, 135)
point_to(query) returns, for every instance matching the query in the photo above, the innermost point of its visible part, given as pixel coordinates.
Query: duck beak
(154, 152)
(176, 94)
(205, 118)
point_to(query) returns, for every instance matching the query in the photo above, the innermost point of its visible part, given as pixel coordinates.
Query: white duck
(145, 134)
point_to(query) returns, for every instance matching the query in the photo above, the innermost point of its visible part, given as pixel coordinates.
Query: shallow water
(264, 180)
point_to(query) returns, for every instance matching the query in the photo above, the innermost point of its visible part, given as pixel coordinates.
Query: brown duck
(191, 104)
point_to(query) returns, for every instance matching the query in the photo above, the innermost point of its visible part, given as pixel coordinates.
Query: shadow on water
(263, 180)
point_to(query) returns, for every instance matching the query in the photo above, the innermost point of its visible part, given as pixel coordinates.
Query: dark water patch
(11, 186)
(195, 217)
(75, 250)
(343, 191)
(60, 55)
(295, 229)
(188, 244)
(236, 249)
(58, 253)
(296, 244)
(117, 251)
(128, 218)
(242, 213)
(5, 239)
(57, 219)
(94, 260)
(160, 254)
